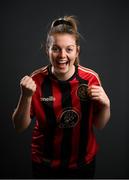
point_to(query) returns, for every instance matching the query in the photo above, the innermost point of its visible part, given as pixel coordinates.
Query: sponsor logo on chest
(48, 99)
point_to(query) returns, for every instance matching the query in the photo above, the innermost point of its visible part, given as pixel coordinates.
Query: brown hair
(66, 24)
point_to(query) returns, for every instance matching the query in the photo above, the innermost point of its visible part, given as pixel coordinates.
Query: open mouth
(62, 62)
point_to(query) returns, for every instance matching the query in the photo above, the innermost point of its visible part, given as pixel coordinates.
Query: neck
(64, 76)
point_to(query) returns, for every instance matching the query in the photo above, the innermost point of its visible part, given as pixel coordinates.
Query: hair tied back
(61, 21)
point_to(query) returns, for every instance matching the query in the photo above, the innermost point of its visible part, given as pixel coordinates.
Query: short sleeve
(95, 80)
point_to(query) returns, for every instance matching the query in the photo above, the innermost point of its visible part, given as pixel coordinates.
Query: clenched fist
(28, 86)
(97, 93)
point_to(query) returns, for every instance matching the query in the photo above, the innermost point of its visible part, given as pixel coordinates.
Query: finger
(94, 87)
(33, 87)
(26, 81)
(29, 85)
(29, 89)
(94, 92)
(24, 78)
(96, 98)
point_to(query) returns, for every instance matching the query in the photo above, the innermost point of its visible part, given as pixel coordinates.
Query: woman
(67, 101)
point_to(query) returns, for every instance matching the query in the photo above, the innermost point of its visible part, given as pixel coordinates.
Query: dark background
(104, 26)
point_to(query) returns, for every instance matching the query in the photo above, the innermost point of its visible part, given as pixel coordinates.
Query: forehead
(63, 39)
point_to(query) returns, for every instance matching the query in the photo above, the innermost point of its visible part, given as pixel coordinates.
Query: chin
(63, 73)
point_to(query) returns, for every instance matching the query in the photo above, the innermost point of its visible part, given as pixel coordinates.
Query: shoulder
(88, 73)
(87, 70)
(41, 71)
(39, 74)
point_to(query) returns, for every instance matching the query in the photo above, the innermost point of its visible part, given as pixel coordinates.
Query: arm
(102, 105)
(21, 116)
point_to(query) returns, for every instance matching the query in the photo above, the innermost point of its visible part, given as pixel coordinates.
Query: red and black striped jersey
(63, 134)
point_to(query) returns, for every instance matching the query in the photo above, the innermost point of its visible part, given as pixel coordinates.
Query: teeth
(62, 61)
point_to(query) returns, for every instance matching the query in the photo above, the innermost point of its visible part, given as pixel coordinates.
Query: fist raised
(28, 86)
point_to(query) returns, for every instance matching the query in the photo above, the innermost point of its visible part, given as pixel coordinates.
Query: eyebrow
(66, 46)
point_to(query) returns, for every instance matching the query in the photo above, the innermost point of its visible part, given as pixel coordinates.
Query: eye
(69, 50)
(55, 49)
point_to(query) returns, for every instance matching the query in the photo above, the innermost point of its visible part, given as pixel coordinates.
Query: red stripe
(40, 114)
(92, 146)
(37, 137)
(57, 105)
(76, 130)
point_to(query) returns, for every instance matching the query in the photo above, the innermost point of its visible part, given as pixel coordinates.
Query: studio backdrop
(104, 27)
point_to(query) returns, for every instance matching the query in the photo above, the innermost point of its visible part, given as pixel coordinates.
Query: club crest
(68, 119)
(82, 92)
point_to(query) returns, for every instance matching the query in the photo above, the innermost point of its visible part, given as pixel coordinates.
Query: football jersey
(63, 133)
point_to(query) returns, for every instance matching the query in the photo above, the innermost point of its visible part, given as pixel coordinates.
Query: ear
(78, 50)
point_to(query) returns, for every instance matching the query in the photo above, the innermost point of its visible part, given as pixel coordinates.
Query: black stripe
(66, 141)
(50, 118)
(85, 106)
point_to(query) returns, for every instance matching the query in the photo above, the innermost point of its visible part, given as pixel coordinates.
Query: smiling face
(62, 53)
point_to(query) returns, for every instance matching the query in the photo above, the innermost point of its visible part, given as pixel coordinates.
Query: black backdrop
(104, 26)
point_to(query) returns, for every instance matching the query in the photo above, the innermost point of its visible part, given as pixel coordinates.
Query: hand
(28, 86)
(98, 94)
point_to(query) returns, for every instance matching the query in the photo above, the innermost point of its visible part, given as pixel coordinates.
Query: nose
(62, 54)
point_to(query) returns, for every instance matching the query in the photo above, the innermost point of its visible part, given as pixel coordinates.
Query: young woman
(67, 101)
